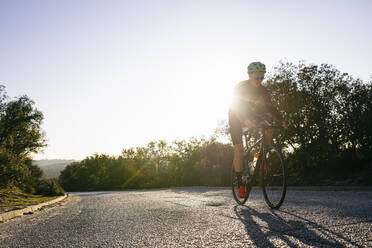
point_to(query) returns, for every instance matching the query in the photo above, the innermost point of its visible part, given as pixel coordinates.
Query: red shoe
(241, 192)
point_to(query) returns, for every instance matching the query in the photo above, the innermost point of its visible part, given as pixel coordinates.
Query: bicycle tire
(273, 177)
(234, 187)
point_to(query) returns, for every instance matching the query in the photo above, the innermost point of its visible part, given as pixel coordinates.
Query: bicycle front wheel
(273, 177)
(234, 187)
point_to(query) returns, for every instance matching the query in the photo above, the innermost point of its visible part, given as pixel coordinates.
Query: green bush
(49, 187)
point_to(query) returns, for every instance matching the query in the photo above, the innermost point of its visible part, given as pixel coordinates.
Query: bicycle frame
(248, 150)
(261, 141)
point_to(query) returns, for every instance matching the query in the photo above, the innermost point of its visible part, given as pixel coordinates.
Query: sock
(239, 177)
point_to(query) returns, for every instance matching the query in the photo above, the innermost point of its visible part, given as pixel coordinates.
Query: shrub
(49, 187)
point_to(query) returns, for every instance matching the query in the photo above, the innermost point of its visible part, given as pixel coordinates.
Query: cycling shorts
(235, 126)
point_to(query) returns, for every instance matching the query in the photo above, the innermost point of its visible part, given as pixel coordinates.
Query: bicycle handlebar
(246, 129)
(269, 127)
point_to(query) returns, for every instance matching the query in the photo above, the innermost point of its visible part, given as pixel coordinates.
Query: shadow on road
(271, 230)
(199, 189)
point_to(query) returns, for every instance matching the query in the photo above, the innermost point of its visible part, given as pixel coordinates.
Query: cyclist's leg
(238, 157)
(236, 136)
(269, 136)
(238, 162)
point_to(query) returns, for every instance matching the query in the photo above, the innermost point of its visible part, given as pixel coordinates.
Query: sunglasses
(258, 77)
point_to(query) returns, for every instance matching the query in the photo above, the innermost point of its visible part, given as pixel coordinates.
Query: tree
(20, 136)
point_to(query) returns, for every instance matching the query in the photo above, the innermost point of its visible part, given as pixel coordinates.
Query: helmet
(256, 66)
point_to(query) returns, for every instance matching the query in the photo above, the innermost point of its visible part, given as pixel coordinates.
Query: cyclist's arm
(242, 117)
(236, 102)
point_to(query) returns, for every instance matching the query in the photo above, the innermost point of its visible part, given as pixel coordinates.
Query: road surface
(196, 217)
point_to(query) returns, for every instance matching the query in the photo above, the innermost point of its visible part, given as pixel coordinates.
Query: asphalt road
(196, 217)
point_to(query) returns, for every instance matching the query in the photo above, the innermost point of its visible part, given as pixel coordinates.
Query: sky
(109, 75)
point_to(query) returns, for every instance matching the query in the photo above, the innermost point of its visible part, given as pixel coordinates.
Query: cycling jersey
(249, 103)
(249, 99)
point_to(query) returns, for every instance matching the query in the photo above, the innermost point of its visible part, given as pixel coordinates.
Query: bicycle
(270, 165)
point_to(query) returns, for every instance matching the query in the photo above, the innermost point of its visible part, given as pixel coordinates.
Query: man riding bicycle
(251, 107)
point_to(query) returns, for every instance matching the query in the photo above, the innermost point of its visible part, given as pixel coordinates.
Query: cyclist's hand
(249, 124)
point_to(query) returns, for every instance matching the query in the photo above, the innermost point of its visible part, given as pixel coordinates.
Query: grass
(11, 199)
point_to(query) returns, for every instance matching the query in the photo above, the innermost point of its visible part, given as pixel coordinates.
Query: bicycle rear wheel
(234, 186)
(273, 177)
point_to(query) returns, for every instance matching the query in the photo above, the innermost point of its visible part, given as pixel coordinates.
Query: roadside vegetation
(20, 136)
(329, 141)
(14, 198)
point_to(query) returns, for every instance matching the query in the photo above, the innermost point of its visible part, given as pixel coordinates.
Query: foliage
(331, 120)
(14, 198)
(20, 136)
(182, 163)
(49, 187)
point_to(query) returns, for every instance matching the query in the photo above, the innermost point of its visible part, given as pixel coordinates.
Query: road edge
(30, 209)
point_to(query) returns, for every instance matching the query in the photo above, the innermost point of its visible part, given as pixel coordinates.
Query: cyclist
(251, 107)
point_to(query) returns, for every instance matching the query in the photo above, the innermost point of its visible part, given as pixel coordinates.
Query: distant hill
(52, 167)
